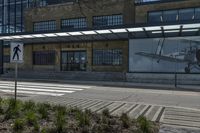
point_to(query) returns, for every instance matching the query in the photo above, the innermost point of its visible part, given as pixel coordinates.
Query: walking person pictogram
(16, 50)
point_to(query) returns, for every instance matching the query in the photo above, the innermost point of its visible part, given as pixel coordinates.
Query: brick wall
(86, 8)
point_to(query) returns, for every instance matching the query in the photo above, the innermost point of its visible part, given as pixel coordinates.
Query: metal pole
(16, 67)
(175, 80)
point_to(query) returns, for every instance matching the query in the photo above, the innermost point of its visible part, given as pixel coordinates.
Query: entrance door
(73, 61)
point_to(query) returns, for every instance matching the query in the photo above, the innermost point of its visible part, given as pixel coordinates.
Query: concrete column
(1, 57)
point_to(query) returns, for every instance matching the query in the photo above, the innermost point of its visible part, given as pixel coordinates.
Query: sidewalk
(195, 88)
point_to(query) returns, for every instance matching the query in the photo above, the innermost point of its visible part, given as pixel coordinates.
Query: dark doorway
(73, 60)
(1, 57)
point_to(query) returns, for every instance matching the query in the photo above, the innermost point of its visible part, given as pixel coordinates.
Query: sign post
(16, 56)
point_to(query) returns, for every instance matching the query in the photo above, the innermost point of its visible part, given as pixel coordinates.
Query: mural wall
(164, 55)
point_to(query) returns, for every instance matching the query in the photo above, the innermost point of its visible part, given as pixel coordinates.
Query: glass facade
(188, 14)
(11, 15)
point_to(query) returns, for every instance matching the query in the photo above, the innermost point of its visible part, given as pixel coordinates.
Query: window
(44, 58)
(197, 14)
(113, 20)
(42, 3)
(45, 26)
(170, 16)
(186, 14)
(74, 23)
(155, 17)
(107, 57)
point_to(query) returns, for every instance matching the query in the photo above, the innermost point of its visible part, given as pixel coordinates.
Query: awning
(114, 33)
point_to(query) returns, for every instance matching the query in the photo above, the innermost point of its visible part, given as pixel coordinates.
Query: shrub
(14, 108)
(44, 130)
(74, 110)
(106, 113)
(36, 127)
(144, 124)
(60, 120)
(1, 106)
(43, 111)
(18, 125)
(31, 118)
(29, 105)
(83, 119)
(60, 109)
(125, 120)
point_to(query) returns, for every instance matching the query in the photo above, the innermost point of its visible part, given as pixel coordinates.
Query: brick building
(126, 36)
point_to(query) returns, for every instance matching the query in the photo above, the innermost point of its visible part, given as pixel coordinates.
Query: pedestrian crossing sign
(16, 52)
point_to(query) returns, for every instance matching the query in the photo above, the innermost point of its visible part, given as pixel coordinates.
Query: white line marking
(137, 115)
(42, 88)
(34, 93)
(49, 84)
(148, 112)
(156, 114)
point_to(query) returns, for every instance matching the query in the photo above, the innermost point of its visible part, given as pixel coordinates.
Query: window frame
(78, 18)
(113, 20)
(178, 10)
(47, 28)
(107, 57)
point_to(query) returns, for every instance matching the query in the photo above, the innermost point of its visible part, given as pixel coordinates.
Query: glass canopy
(117, 33)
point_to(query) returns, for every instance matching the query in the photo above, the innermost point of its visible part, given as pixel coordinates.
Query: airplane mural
(188, 55)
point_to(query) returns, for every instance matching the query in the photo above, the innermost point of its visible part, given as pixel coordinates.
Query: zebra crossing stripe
(41, 87)
(157, 113)
(33, 92)
(37, 89)
(48, 84)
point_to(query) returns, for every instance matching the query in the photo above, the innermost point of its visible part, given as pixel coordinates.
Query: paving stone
(100, 106)
(111, 107)
(176, 129)
(181, 123)
(136, 111)
(124, 109)
(152, 111)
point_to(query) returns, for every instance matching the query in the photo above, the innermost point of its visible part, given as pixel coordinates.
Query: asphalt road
(188, 99)
(171, 108)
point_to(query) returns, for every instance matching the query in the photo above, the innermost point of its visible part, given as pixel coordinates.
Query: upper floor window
(113, 20)
(74, 23)
(187, 14)
(41, 3)
(197, 13)
(170, 16)
(44, 26)
(155, 17)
